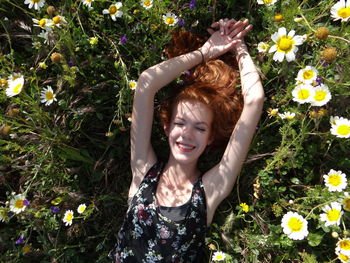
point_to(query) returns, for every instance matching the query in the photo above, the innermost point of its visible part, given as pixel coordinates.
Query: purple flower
(193, 4)
(187, 73)
(26, 202)
(20, 240)
(71, 62)
(54, 209)
(123, 40)
(324, 63)
(181, 22)
(319, 81)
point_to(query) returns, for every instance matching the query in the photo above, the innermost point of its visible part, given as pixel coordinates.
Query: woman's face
(190, 131)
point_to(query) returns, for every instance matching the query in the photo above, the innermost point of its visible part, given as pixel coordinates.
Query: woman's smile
(185, 147)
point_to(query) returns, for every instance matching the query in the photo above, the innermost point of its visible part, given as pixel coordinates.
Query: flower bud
(5, 130)
(335, 234)
(313, 114)
(50, 10)
(323, 112)
(329, 54)
(56, 57)
(3, 82)
(278, 18)
(322, 33)
(13, 112)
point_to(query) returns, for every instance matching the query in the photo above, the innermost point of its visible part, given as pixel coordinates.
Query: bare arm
(219, 181)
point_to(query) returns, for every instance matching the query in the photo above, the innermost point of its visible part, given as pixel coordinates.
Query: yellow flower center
(343, 129)
(334, 179)
(320, 95)
(170, 20)
(17, 89)
(89, 1)
(147, 3)
(113, 9)
(346, 204)
(344, 244)
(295, 224)
(344, 12)
(308, 74)
(69, 217)
(19, 204)
(285, 44)
(289, 117)
(42, 22)
(132, 85)
(268, 1)
(303, 94)
(333, 215)
(343, 257)
(49, 95)
(218, 257)
(57, 19)
(36, 1)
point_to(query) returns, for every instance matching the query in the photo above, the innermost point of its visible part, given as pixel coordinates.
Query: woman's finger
(210, 31)
(222, 29)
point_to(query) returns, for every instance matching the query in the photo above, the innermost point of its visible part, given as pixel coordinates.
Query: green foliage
(76, 150)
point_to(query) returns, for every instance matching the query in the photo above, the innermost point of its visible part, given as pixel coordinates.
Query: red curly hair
(212, 83)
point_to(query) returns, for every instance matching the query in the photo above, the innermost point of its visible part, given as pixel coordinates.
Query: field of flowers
(67, 74)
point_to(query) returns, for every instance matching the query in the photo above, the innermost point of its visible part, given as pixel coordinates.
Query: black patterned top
(147, 236)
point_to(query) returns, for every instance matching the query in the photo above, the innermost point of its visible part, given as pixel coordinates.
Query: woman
(171, 204)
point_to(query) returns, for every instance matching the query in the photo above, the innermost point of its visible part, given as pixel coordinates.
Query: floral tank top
(149, 237)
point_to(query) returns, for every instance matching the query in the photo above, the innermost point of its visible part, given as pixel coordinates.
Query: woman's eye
(200, 129)
(178, 123)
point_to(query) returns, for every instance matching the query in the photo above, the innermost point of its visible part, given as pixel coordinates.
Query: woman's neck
(179, 173)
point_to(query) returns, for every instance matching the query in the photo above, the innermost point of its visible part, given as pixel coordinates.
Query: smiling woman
(171, 204)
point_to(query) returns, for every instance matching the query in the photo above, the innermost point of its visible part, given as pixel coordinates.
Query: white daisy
(341, 128)
(335, 181)
(68, 217)
(332, 214)
(46, 36)
(37, 4)
(287, 115)
(132, 84)
(170, 19)
(343, 246)
(303, 93)
(294, 226)
(59, 21)
(285, 44)
(88, 3)
(343, 258)
(81, 208)
(15, 85)
(322, 95)
(114, 11)
(18, 203)
(307, 75)
(43, 23)
(266, 2)
(147, 3)
(218, 256)
(341, 10)
(47, 96)
(263, 47)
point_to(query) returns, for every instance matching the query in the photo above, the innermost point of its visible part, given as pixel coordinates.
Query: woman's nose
(187, 132)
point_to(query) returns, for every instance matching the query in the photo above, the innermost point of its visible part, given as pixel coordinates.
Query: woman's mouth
(185, 147)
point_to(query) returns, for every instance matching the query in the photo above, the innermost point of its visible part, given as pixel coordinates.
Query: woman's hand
(229, 34)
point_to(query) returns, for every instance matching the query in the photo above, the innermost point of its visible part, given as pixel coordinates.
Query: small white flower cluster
(69, 214)
(308, 90)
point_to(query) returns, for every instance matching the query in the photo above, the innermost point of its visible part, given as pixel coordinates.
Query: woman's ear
(166, 129)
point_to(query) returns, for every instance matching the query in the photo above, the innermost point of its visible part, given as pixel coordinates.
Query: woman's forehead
(193, 110)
